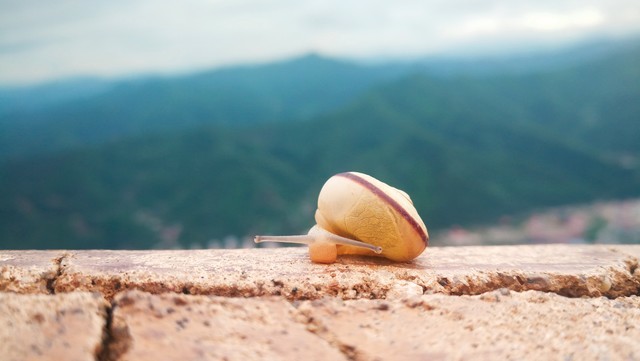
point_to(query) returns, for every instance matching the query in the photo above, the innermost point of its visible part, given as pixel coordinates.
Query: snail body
(358, 214)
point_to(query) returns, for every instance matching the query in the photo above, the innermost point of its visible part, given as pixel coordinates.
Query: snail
(358, 214)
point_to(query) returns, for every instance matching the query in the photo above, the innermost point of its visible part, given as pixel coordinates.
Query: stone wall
(511, 302)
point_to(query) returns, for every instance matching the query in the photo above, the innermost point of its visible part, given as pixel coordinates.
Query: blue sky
(47, 40)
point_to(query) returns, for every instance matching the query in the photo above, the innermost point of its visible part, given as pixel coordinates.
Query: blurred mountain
(467, 149)
(595, 105)
(292, 90)
(84, 111)
(17, 99)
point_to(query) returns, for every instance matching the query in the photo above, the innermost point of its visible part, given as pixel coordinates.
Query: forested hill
(293, 90)
(79, 112)
(467, 149)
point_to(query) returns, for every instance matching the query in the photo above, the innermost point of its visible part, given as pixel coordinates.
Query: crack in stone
(116, 339)
(107, 337)
(51, 281)
(111, 347)
(633, 269)
(321, 331)
(633, 265)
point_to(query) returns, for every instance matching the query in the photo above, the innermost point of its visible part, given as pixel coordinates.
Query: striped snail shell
(358, 214)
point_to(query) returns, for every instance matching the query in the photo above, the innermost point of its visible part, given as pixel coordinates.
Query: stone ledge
(450, 304)
(572, 271)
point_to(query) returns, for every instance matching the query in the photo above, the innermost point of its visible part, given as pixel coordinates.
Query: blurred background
(151, 124)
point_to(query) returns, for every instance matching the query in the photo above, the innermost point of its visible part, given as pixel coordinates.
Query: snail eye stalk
(317, 234)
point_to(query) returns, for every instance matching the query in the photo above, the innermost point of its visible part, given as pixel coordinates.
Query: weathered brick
(499, 325)
(51, 327)
(179, 327)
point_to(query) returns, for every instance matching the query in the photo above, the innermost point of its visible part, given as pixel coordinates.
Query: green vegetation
(467, 149)
(294, 90)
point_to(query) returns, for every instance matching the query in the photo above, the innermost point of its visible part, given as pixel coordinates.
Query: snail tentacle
(299, 239)
(317, 234)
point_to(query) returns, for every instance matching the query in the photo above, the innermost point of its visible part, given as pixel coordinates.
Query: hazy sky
(44, 40)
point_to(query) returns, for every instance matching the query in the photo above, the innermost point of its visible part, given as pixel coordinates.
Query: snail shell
(358, 214)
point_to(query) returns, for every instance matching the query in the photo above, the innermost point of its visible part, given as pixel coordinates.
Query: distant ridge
(67, 115)
(291, 90)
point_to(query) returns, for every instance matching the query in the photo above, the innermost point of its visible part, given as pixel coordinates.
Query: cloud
(42, 40)
(533, 22)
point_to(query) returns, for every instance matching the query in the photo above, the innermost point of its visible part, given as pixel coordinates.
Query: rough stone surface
(179, 327)
(630, 249)
(486, 303)
(51, 327)
(499, 325)
(633, 251)
(28, 271)
(567, 270)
